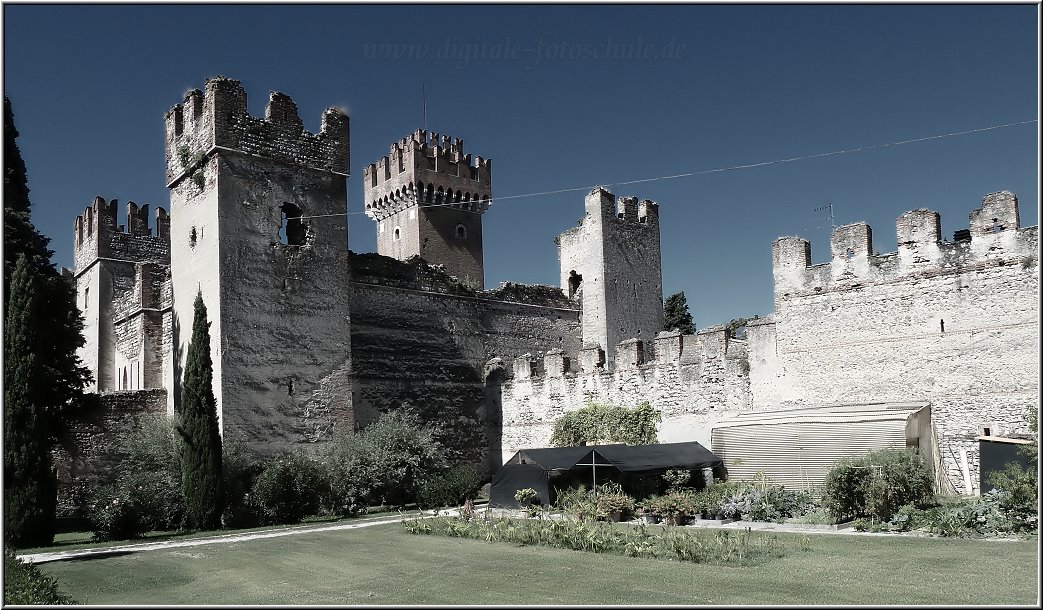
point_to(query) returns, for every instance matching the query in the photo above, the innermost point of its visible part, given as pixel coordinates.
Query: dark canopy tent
(535, 467)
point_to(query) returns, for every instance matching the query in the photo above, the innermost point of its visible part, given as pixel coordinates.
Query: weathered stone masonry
(952, 323)
(309, 339)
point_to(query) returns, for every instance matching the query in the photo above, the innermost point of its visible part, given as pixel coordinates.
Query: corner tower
(258, 227)
(612, 265)
(428, 198)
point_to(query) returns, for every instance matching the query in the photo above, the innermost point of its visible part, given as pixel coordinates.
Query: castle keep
(309, 339)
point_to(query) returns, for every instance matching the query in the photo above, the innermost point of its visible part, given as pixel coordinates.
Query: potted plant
(646, 510)
(613, 506)
(527, 498)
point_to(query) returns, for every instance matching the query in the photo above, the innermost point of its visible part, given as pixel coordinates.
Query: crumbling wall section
(95, 431)
(952, 323)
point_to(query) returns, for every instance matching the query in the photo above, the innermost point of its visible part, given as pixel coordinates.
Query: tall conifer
(30, 492)
(676, 315)
(201, 455)
(60, 326)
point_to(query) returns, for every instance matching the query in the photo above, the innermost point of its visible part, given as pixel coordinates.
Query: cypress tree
(59, 331)
(201, 455)
(676, 315)
(30, 489)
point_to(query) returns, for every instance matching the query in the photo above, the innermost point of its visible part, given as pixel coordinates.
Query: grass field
(385, 565)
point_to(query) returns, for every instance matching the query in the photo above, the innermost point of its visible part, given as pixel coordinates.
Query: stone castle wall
(952, 323)
(693, 380)
(420, 337)
(95, 431)
(276, 293)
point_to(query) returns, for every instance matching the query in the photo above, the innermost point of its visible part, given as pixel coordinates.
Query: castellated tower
(428, 199)
(122, 276)
(258, 228)
(611, 264)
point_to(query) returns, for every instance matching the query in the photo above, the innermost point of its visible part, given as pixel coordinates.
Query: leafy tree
(676, 315)
(201, 481)
(30, 492)
(60, 327)
(601, 423)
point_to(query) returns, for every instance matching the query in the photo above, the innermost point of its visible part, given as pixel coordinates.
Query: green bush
(145, 493)
(877, 485)
(239, 469)
(1020, 491)
(287, 489)
(388, 462)
(24, 584)
(678, 544)
(599, 423)
(451, 487)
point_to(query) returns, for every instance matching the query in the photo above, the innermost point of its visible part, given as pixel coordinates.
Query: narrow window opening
(398, 234)
(986, 431)
(850, 254)
(461, 232)
(192, 237)
(289, 387)
(941, 323)
(86, 298)
(292, 230)
(575, 280)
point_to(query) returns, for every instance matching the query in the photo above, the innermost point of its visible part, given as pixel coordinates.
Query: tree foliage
(136, 487)
(60, 327)
(386, 463)
(201, 480)
(676, 315)
(30, 494)
(598, 423)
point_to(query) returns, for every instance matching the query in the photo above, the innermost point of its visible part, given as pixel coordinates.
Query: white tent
(797, 447)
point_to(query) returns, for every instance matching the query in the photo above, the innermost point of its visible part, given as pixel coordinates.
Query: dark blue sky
(714, 86)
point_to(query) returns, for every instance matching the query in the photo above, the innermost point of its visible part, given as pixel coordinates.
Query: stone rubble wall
(95, 431)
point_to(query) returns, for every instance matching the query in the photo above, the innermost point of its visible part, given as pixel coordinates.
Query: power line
(704, 172)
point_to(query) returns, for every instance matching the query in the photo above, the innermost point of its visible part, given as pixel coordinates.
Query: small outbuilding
(995, 452)
(540, 469)
(797, 447)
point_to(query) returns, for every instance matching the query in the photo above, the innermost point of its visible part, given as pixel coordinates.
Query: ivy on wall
(599, 423)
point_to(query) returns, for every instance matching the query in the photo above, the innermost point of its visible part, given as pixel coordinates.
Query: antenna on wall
(423, 97)
(828, 206)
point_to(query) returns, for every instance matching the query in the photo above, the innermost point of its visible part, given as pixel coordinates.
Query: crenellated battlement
(427, 169)
(603, 204)
(217, 118)
(96, 234)
(669, 348)
(996, 238)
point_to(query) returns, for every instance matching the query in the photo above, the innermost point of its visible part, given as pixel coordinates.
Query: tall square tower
(428, 198)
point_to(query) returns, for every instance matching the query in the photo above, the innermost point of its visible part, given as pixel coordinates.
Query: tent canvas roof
(627, 458)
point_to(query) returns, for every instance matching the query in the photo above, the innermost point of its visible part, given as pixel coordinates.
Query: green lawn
(386, 565)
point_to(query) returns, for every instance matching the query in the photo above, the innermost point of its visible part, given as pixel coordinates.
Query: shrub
(388, 462)
(608, 503)
(526, 496)
(24, 584)
(877, 485)
(677, 478)
(145, 494)
(596, 423)
(1020, 491)
(287, 489)
(239, 470)
(721, 548)
(451, 487)
(577, 501)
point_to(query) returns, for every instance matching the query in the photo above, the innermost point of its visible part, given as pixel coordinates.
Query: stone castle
(309, 338)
